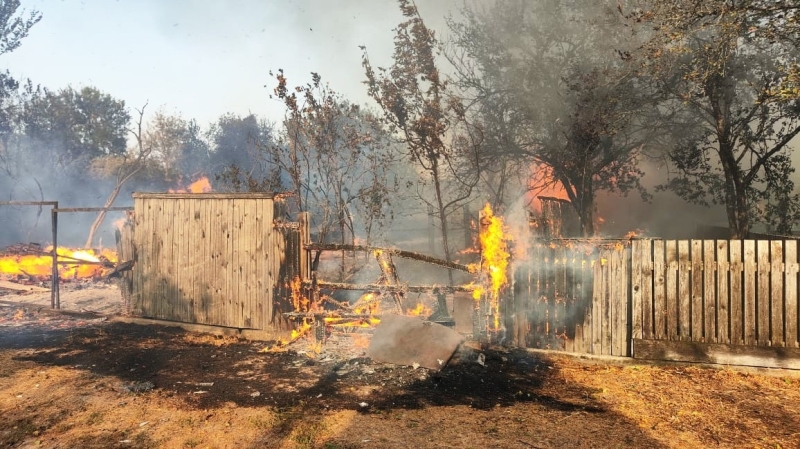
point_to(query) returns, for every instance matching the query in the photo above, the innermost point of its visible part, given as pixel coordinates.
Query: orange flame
(495, 258)
(42, 264)
(202, 185)
(419, 310)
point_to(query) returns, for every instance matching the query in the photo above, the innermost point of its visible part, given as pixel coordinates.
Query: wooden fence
(725, 301)
(211, 259)
(571, 295)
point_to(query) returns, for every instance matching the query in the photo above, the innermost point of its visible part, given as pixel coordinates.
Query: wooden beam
(392, 251)
(396, 288)
(718, 353)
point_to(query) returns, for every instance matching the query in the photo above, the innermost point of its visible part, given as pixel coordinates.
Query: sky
(204, 58)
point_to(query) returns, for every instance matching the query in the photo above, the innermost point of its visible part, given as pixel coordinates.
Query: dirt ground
(82, 380)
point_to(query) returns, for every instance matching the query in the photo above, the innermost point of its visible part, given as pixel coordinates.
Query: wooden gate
(211, 258)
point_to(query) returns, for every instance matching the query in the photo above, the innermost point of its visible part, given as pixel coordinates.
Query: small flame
(419, 310)
(202, 185)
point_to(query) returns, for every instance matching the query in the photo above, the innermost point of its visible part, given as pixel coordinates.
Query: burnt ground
(83, 381)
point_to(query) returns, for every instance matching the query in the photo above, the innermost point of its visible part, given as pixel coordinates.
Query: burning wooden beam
(396, 288)
(392, 251)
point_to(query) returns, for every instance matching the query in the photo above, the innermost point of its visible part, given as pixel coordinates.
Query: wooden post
(55, 300)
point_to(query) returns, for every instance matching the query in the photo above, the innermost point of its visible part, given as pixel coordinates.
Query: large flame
(42, 264)
(494, 259)
(202, 185)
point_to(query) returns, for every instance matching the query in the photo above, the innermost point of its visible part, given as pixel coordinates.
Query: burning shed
(212, 258)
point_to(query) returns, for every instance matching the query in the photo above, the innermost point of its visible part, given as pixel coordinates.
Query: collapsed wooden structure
(232, 260)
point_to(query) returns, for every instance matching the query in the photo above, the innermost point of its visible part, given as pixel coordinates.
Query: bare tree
(124, 168)
(420, 109)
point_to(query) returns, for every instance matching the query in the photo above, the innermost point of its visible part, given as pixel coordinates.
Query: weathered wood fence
(726, 301)
(214, 258)
(571, 295)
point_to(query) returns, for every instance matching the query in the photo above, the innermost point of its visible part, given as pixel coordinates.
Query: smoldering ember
(473, 224)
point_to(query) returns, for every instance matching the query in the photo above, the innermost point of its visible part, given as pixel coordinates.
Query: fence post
(55, 300)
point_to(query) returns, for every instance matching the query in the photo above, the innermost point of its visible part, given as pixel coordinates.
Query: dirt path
(81, 381)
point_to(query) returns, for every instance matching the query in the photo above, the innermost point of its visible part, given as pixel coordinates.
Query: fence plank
(606, 317)
(776, 301)
(791, 293)
(762, 299)
(659, 301)
(671, 286)
(684, 290)
(736, 292)
(709, 292)
(749, 312)
(624, 301)
(636, 285)
(697, 290)
(615, 299)
(648, 331)
(723, 293)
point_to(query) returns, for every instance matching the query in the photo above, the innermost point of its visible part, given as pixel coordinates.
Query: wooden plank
(195, 312)
(624, 292)
(183, 270)
(776, 334)
(616, 298)
(762, 297)
(597, 305)
(671, 287)
(684, 291)
(790, 291)
(607, 311)
(697, 290)
(216, 244)
(229, 311)
(251, 272)
(157, 305)
(17, 287)
(723, 292)
(257, 278)
(718, 353)
(709, 292)
(749, 312)
(736, 294)
(636, 285)
(208, 250)
(560, 294)
(179, 256)
(168, 273)
(659, 296)
(648, 330)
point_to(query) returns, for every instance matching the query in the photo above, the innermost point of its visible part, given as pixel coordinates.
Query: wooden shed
(223, 259)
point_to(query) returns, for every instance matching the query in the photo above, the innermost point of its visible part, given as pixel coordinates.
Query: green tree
(558, 97)
(77, 126)
(735, 72)
(13, 27)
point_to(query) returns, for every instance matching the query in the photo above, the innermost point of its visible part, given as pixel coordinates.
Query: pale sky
(203, 58)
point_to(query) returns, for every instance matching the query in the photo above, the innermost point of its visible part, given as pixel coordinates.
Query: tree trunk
(102, 215)
(735, 192)
(442, 217)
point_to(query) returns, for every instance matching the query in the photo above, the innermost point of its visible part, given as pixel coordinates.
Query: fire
(349, 322)
(419, 310)
(543, 183)
(202, 185)
(42, 265)
(495, 258)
